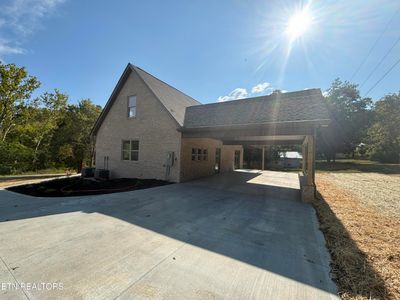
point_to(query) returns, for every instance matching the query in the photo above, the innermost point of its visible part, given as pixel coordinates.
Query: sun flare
(298, 24)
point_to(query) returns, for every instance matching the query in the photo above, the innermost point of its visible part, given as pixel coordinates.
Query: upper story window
(131, 106)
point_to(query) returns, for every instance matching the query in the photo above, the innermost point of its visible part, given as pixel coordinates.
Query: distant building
(290, 159)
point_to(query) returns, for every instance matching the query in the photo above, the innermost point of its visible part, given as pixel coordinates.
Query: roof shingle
(307, 105)
(174, 100)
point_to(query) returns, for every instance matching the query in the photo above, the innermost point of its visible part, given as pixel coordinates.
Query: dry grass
(364, 244)
(12, 182)
(377, 190)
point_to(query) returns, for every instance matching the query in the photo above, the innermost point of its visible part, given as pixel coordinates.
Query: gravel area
(373, 189)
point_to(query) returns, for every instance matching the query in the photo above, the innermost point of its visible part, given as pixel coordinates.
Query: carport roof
(300, 106)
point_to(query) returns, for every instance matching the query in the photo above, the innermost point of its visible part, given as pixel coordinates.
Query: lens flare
(298, 24)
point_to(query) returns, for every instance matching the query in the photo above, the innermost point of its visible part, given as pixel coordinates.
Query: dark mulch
(77, 186)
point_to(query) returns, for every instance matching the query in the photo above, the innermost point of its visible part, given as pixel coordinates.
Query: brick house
(149, 129)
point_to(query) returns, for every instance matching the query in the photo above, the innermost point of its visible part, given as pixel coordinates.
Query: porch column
(304, 154)
(263, 150)
(307, 184)
(310, 160)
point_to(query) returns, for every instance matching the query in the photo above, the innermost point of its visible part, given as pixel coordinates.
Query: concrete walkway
(241, 235)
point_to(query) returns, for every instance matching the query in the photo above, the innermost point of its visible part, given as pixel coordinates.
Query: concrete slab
(238, 235)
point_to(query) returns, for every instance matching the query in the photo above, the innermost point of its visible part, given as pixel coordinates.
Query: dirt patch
(12, 182)
(363, 242)
(83, 186)
(377, 190)
(8, 181)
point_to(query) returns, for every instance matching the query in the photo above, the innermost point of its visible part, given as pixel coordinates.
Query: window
(130, 150)
(199, 154)
(194, 152)
(131, 106)
(205, 154)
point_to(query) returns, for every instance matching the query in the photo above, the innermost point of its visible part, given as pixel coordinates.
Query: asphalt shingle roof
(307, 105)
(174, 100)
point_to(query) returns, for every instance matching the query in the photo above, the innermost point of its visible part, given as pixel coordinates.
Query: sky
(211, 50)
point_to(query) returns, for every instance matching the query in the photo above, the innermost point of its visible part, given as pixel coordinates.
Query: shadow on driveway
(255, 218)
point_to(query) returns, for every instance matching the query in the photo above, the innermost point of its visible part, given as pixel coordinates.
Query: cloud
(20, 19)
(264, 88)
(238, 93)
(6, 48)
(259, 88)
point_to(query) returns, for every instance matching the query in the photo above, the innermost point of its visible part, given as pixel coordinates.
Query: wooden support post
(310, 160)
(263, 150)
(308, 184)
(314, 155)
(304, 154)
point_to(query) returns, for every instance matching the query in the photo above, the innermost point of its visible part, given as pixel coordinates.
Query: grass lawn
(358, 207)
(356, 166)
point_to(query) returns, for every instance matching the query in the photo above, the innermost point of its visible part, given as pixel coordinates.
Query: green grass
(357, 166)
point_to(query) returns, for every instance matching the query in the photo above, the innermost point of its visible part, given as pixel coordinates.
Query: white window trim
(129, 107)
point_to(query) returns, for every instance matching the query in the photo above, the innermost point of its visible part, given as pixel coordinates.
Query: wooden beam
(260, 143)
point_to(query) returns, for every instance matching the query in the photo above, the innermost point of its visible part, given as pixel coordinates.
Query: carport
(277, 119)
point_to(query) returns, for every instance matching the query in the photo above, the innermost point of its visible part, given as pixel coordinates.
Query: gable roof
(173, 100)
(300, 106)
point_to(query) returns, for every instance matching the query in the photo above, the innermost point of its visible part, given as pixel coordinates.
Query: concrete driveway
(241, 235)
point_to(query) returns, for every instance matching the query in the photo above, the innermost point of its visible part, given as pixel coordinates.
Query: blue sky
(207, 49)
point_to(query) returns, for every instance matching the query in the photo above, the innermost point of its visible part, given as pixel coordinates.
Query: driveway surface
(239, 235)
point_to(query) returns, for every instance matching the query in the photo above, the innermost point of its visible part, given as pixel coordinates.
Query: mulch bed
(364, 244)
(77, 186)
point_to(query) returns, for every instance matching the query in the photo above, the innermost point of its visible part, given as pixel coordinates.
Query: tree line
(359, 126)
(46, 132)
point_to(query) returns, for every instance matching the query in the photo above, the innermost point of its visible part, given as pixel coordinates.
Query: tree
(351, 117)
(46, 119)
(384, 134)
(72, 143)
(45, 132)
(15, 157)
(16, 87)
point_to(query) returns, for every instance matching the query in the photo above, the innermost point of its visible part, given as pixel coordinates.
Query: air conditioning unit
(88, 172)
(102, 174)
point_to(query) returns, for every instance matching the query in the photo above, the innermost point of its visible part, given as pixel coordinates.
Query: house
(149, 129)
(290, 159)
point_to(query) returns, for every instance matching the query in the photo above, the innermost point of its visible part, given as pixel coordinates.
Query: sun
(298, 24)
